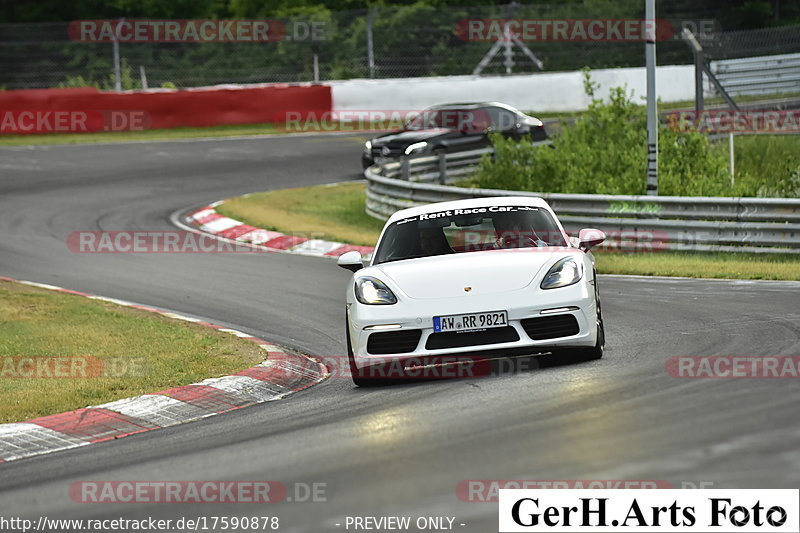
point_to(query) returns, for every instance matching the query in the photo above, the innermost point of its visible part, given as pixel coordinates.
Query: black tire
(596, 351)
(356, 374)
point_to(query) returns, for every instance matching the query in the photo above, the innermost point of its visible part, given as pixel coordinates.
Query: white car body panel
(472, 282)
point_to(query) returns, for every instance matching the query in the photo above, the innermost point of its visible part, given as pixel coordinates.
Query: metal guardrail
(761, 225)
(759, 75)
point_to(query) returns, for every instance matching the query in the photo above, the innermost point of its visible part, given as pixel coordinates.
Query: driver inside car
(433, 242)
(513, 232)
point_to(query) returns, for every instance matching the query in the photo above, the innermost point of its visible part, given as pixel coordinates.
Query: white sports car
(472, 277)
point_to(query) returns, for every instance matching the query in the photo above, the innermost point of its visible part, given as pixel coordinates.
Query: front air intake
(439, 341)
(392, 342)
(550, 327)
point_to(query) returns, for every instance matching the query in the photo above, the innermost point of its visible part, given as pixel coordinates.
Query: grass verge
(228, 130)
(700, 265)
(144, 135)
(336, 212)
(100, 352)
(331, 212)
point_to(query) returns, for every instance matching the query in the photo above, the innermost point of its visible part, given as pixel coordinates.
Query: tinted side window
(502, 119)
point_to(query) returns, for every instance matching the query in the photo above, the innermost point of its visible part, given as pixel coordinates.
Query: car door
(476, 128)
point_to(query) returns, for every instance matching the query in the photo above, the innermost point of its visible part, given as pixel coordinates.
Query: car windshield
(468, 230)
(469, 120)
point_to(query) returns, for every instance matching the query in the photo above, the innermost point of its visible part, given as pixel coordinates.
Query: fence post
(699, 65)
(370, 50)
(115, 48)
(143, 76)
(404, 170)
(652, 111)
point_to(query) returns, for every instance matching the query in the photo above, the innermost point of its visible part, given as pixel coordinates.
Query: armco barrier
(185, 108)
(774, 74)
(761, 225)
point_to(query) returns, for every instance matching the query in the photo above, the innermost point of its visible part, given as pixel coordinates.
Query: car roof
(474, 105)
(470, 203)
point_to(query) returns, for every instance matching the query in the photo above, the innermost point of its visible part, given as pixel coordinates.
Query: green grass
(765, 162)
(337, 213)
(718, 100)
(145, 135)
(331, 212)
(700, 265)
(141, 352)
(666, 107)
(235, 130)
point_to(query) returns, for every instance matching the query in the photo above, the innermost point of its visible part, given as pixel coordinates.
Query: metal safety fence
(635, 223)
(381, 42)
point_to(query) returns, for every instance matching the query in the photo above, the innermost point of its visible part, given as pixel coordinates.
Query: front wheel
(596, 351)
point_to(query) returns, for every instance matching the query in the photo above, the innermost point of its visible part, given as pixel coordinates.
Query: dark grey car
(453, 128)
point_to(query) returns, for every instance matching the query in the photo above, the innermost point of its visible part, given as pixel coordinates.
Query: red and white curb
(280, 375)
(208, 220)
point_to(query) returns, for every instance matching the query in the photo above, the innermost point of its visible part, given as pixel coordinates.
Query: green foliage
(127, 80)
(766, 164)
(605, 152)
(168, 85)
(77, 81)
(789, 188)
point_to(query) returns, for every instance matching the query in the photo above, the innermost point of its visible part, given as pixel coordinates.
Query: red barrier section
(88, 109)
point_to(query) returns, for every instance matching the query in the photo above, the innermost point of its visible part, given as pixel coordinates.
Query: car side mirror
(589, 238)
(350, 261)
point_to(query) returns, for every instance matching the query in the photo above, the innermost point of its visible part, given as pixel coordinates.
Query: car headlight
(372, 291)
(368, 146)
(416, 147)
(564, 273)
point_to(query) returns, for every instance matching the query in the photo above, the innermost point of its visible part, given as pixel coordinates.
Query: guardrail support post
(442, 169)
(731, 156)
(404, 170)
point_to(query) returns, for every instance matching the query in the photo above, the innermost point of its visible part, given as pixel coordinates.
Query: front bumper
(416, 315)
(366, 160)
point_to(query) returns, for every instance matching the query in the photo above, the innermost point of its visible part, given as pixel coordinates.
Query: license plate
(469, 322)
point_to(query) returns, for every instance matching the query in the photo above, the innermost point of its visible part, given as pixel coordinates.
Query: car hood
(409, 137)
(447, 276)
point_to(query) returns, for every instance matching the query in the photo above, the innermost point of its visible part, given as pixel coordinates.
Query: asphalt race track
(398, 450)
